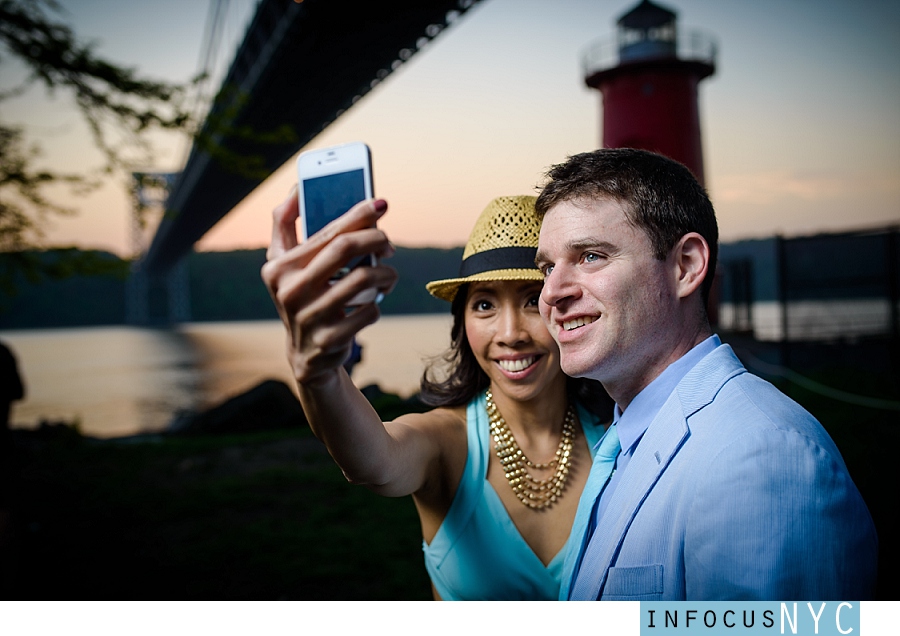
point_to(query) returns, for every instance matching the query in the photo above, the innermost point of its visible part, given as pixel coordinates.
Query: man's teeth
(516, 365)
(569, 325)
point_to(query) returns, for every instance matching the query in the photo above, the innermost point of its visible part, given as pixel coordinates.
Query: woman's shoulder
(441, 417)
(444, 424)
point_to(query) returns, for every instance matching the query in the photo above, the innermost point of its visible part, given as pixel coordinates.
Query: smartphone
(330, 181)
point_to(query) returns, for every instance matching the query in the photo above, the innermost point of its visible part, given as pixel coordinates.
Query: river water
(117, 381)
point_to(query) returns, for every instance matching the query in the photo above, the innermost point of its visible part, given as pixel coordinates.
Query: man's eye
(546, 270)
(590, 257)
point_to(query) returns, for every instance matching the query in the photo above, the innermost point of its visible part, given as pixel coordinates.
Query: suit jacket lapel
(661, 442)
(653, 454)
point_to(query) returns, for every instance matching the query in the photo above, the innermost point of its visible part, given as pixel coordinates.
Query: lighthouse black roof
(646, 15)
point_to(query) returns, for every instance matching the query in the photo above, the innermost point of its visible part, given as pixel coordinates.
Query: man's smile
(581, 321)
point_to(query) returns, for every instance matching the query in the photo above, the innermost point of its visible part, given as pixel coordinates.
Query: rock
(271, 405)
(391, 405)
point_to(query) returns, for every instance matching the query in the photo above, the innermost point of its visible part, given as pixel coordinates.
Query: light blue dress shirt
(633, 422)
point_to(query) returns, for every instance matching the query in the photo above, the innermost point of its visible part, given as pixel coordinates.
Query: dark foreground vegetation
(234, 503)
(267, 515)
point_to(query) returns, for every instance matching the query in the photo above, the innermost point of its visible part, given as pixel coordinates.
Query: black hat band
(500, 258)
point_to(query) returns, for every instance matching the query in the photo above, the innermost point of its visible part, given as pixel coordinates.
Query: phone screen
(326, 198)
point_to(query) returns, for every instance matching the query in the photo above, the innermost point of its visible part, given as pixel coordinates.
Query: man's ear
(691, 262)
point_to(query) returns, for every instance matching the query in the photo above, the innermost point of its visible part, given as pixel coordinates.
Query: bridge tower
(153, 298)
(648, 75)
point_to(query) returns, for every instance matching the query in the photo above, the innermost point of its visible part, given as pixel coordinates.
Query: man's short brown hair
(659, 196)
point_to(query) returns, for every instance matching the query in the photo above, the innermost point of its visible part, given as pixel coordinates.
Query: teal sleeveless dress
(478, 553)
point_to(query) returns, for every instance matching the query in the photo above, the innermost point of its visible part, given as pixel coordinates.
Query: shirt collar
(632, 424)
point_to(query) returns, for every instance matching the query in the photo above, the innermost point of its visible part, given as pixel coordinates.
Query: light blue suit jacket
(733, 493)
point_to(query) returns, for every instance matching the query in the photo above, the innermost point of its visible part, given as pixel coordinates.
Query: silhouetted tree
(119, 107)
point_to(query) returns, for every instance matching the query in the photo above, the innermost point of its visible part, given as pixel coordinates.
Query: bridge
(301, 65)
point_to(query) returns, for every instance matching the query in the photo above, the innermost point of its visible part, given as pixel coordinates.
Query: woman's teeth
(516, 365)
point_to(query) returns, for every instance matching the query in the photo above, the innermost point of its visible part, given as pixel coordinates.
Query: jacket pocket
(644, 582)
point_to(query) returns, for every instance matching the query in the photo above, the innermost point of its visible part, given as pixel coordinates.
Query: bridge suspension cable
(225, 26)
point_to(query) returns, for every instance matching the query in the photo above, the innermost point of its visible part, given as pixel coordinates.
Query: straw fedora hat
(502, 246)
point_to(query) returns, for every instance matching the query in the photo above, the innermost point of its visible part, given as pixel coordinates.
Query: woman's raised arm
(393, 459)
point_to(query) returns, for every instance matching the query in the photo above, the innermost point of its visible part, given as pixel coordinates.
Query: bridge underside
(300, 66)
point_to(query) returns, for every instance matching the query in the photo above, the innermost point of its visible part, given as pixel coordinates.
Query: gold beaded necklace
(534, 493)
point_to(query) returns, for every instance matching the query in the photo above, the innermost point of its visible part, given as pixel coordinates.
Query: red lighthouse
(648, 76)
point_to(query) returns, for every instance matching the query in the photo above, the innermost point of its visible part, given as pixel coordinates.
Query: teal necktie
(584, 587)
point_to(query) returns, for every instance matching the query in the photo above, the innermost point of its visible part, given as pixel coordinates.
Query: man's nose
(559, 285)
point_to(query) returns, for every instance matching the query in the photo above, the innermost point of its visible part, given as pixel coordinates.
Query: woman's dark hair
(467, 379)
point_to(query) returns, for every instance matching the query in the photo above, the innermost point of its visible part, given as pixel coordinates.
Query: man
(11, 388)
(723, 488)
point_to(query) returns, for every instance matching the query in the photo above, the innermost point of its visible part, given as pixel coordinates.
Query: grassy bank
(265, 516)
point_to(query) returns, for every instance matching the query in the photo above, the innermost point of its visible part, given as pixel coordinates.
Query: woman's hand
(320, 326)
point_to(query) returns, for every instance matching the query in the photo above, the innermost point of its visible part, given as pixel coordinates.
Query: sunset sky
(801, 122)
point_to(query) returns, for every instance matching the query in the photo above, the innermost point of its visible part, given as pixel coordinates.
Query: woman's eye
(533, 301)
(481, 305)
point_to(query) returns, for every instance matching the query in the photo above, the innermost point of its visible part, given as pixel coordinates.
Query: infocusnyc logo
(749, 618)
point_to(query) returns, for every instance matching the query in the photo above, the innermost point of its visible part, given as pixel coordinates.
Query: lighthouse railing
(692, 45)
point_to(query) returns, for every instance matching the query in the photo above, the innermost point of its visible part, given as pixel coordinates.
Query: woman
(496, 515)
